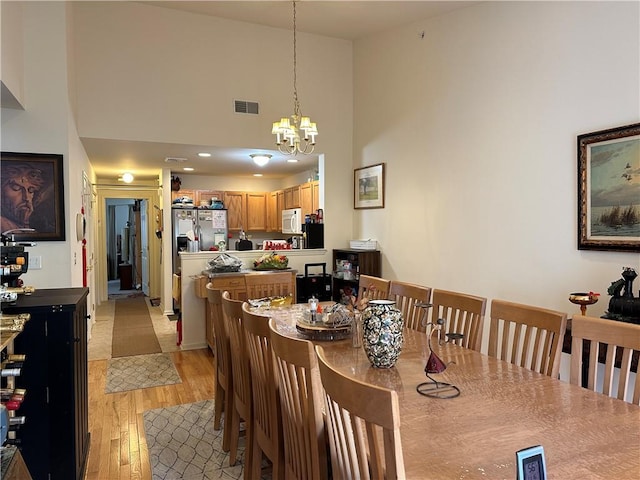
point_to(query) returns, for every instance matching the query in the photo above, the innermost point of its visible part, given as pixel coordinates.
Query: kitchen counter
(192, 267)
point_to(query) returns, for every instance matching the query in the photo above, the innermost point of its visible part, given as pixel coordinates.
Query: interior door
(144, 245)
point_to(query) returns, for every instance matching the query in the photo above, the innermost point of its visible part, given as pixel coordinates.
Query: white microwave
(292, 221)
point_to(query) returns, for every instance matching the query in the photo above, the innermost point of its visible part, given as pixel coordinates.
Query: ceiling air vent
(175, 160)
(242, 106)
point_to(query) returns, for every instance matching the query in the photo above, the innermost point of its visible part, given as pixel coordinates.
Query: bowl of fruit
(271, 261)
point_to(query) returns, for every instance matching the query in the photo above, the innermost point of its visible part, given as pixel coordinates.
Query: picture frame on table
(368, 186)
(609, 189)
(32, 195)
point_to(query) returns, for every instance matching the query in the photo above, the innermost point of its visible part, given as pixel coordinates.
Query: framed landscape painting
(609, 189)
(32, 195)
(368, 187)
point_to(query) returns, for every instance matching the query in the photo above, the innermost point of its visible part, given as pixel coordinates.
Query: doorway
(125, 249)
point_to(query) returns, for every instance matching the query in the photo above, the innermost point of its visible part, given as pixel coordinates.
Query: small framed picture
(609, 189)
(531, 464)
(368, 187)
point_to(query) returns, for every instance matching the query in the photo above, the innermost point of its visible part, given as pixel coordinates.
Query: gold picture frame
(609, 189)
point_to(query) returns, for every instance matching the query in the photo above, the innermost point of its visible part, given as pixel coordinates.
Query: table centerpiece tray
(321, 331)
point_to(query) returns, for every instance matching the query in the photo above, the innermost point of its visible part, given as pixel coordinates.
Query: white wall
(39, 39)
(477, 124)
(155, 74)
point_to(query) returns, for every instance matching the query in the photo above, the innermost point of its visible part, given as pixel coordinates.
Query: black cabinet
(55, 436)
(348, 264)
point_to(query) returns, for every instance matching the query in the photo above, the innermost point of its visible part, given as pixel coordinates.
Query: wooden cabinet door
(279, 210)
(272, 212)
(236, 205)
(306, 199)
(315, 195)
(207, 195)
(183, 193)
(256, 211)
(292, 197)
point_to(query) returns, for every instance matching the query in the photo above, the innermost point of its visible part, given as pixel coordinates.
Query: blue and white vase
(382, 325)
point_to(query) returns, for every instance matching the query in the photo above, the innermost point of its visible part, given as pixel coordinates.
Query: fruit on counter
(271, 261)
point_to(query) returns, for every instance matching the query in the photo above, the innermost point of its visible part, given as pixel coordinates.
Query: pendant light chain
(296, 103)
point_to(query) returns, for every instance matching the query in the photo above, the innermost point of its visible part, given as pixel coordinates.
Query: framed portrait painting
(32, 195)
(609, 189)
(368, 187)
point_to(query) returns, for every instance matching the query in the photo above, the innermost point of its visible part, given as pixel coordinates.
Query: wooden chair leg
(226, 429)
(219, 406)
(256, 460)
(234, 435)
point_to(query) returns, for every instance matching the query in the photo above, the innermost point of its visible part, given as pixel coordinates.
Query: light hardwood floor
(118, 448)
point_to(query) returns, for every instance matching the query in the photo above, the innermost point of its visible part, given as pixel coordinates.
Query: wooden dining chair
(305, 444)
(528, 336)
(223, 397)
(267, 417)
(240, 370)
(407, 297)
(460, 313)
(272, 284)
(622, 343)
(363, 424)
(373, 288)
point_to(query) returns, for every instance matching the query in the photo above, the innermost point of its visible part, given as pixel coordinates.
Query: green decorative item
(382, 326)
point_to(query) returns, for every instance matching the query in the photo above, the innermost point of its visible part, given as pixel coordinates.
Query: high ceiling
(334, 18)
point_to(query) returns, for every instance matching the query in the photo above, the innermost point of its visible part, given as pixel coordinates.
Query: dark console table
(55, 436)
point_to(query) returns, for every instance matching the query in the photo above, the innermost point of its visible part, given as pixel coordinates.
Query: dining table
(502, 408)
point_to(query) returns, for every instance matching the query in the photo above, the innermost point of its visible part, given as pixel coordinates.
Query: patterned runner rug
(133, 332)
(183, 444)
(140, 371)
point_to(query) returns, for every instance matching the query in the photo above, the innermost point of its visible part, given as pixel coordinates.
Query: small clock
(531, 464)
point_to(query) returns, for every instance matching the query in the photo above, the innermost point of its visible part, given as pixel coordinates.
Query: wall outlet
(35, 262)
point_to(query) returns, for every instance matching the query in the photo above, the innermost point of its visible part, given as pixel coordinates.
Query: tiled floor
(102, 329)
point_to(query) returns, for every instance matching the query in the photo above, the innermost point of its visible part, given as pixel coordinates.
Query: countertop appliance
(313, 235)
(292, 221)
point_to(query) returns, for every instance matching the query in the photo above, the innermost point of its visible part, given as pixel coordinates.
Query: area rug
(140, 371)
(133, 332)
(183, 444)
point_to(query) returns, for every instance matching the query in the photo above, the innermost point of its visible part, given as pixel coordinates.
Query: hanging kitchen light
(297, 134)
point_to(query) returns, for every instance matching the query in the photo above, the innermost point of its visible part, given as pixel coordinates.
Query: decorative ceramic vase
(382, 325)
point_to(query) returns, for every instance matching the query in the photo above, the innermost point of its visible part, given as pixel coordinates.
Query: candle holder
(435, 365)
(583, 299)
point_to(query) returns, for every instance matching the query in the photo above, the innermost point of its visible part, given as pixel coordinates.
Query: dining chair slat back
(267, 419)
(305, 447)
(373, 288)
(462, 313)
(271, 284)
(407, 297)
(363, 424)
(224, 382)
(622, 343)
(242, 399)
(528, 336)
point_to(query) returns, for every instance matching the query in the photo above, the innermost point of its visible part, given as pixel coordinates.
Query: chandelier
(296, 134)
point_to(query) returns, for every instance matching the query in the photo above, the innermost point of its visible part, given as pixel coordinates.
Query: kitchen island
(192, 264)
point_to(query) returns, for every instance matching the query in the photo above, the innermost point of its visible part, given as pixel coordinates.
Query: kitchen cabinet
(233, 283)
(236, 205)
(309, 193)
(275, 204)
(256, 211)
(55, 437)
(207, 195)
(365, 262)
(292, 197)
(183, 193)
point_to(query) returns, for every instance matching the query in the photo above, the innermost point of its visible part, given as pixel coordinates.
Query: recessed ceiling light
(257, 174)
(188, 169)
(204, 154)
(292, 160)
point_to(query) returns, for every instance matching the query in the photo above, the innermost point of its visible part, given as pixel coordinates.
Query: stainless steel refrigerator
(210, 226)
